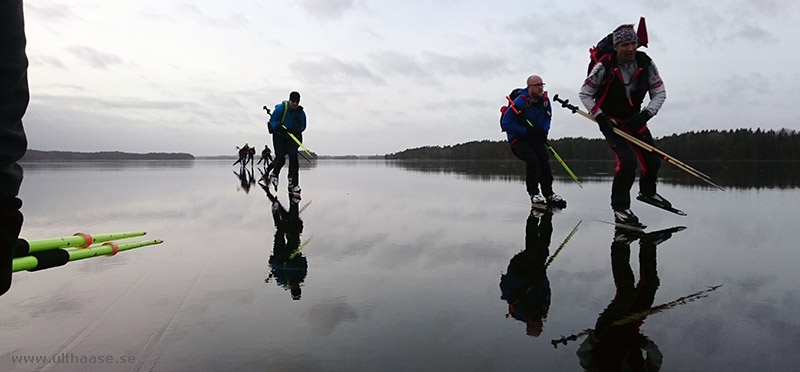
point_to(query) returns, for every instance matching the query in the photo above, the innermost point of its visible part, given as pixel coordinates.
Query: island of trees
(68, 156)
(738, 144)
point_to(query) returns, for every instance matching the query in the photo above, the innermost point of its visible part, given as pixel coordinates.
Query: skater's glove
(638, 122)
(604, 123)
(535, 135)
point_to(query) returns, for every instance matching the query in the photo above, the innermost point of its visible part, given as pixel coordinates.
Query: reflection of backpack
(603, 51)
(514, 93)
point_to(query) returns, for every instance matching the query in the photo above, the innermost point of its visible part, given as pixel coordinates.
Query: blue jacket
(538, 113)
(295, 120)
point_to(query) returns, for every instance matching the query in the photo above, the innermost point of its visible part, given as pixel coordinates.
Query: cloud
(750, 33)
(324, 317)
(52, 12)
(754, 82)
(475, 65)
(330, 70)
(113, 103)
(395, 63)
(48, 61)
(231, 21)
(327, 9)
(94, 57)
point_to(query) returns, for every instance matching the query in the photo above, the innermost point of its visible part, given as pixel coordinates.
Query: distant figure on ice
(243, 152)
(266, 157)
(251, 153)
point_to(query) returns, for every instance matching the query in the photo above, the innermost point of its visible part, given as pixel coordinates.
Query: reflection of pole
(58, 257)
(77, 240)
(630, 318)
(560, 247)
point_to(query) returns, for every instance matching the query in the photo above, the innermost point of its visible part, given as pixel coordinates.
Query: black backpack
(514, 93)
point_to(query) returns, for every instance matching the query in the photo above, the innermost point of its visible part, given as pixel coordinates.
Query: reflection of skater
(525, 285)
(287, 264)
(616, 342)
(246, 178)
(14, 99)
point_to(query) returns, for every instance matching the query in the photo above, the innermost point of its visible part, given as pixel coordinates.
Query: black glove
(638, 121)
(535, 135)
(603, 123)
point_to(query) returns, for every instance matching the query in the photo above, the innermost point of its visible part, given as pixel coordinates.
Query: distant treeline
(738, 144)
(36, 155)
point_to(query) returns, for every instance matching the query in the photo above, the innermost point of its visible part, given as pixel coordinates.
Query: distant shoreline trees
(736, 144)
(68, 156)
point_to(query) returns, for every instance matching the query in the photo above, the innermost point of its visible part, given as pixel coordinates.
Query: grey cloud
(52, 12)
(332, 70)
(230, 21)
(476, 65)
(94, 57)
(324, 317)
(756, 82)
(395, 63)
(327, 9)
(48, 61)
(752, 33)
(113, 103)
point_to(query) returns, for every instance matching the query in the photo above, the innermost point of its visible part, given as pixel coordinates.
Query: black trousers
(284, 145)
(537, 165)
(14, 99)
(628, 155)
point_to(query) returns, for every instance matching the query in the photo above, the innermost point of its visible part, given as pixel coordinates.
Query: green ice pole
(290, 134)
(78, 240)
(31, 262)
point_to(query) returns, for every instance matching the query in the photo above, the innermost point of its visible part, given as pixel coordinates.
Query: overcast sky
(378, 77)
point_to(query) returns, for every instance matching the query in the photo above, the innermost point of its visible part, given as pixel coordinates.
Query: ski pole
(623, 134)
(555, 155)
(59, 256)
(644, 145)
(291, 135)
(80, 239)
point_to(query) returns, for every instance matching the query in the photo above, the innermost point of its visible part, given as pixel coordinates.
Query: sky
(379, 77)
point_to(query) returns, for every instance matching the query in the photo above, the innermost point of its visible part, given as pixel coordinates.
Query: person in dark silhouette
(617, 343)
(288, 266)
(251, 153)
(525, 286)
(266, 157)
(14, 98)
(243, 152)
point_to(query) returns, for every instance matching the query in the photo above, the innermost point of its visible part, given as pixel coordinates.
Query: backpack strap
(285, 108)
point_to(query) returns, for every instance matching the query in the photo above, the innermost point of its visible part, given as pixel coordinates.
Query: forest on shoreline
(735, 144)
(66, 156)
